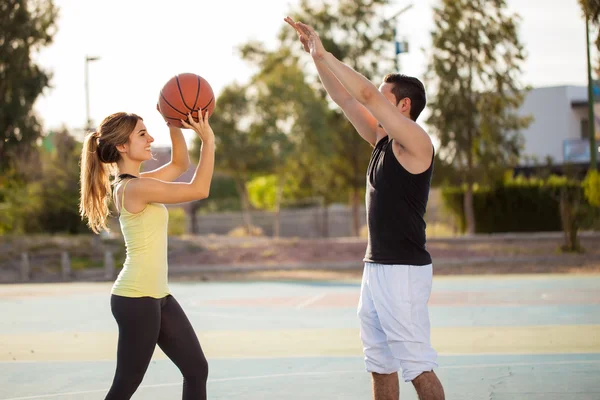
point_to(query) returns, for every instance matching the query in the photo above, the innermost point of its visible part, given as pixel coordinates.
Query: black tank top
(396, 201)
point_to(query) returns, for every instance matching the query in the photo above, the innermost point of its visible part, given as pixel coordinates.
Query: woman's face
(139, 143)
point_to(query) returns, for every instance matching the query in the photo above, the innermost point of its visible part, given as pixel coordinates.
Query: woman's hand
(202, 127)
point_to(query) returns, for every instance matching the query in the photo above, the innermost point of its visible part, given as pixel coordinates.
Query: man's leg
(428, 386)
(426, 383)
(379, 360)
(386, 386)
(400, 296)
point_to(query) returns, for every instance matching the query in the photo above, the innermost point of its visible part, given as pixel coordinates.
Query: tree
(27, 26)
(591, 11)
(48, 201)
(474, 74)
(358, 34)
(60, 186)
(244, 147)
(288, 105)
(289, 108)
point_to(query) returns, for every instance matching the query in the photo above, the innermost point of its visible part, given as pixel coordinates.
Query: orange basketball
(183, 94)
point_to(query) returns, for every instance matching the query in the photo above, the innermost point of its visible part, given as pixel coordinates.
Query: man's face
(403, 105)
(386, 90)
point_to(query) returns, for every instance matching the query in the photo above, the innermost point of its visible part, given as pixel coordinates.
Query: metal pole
(396, 54)
(397, 51)
(591, 123)
(88, 120)
(87, 97)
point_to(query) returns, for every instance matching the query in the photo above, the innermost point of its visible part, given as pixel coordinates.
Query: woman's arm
(150, 190)
(180, 160)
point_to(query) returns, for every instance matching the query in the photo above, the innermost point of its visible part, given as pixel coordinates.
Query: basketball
(183, 94)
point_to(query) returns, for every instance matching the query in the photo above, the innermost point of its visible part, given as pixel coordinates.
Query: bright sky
(141, 44)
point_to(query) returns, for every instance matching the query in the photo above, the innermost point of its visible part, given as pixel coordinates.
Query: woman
(145, 311)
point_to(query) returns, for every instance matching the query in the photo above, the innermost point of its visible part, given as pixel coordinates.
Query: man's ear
(405, 104)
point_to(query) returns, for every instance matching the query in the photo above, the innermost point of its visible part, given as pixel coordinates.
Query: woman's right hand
(202, 127)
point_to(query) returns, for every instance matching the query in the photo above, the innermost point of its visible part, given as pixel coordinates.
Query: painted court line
(280, 357)
(310, 301)
(242, 378)
(239, 378)
(522, 364)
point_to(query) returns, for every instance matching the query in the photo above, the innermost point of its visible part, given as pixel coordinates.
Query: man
(397, 278)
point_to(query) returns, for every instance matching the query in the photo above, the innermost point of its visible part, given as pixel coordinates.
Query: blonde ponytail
(95, 186)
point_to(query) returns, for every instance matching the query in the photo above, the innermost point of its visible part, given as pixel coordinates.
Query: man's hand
(302, 38)
(309, 39)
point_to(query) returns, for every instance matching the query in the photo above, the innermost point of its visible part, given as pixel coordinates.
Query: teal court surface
(498, 337)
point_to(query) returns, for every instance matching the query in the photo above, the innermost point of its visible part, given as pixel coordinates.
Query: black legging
(143, 323)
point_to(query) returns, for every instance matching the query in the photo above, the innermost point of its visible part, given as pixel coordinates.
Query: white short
(394, 320)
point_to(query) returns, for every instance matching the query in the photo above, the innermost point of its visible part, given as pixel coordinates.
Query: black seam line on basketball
(170, 105)
(181, 94)
(210, 101)
(198, 91)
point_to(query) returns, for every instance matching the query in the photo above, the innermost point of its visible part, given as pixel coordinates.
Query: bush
(177, 221)
(591, 187)
(519, 205)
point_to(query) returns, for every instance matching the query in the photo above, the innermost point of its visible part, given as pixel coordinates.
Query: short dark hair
(408, 86)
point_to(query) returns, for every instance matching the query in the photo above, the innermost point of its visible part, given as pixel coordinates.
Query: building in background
(559, 131)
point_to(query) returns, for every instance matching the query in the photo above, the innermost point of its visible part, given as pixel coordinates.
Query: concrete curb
(566, 260)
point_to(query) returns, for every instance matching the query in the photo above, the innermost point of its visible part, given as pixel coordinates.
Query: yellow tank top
(145, 271)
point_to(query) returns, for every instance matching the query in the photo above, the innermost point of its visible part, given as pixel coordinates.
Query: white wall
(576, 94)
(554, 120)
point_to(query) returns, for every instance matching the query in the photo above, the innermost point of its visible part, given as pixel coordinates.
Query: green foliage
(519, 205)
(591, 10)
(244, 148)
(177, 221)
(288, 103)
(223, 196)
(591, 187)
(48, 200)
(21, 200)
(444, 173)
(331, 166)
(355, 32)
(27, 27)
(262, 191)
(474, 75)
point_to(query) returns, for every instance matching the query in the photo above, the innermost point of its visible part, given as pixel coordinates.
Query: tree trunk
(356, 201)
(194, 206)
(245, 203)
(278, 196)
(569, 223)
(325, 223)
(469, 210)
(468, 199)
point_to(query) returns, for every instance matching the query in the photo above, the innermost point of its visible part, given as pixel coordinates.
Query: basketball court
(499, 337)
